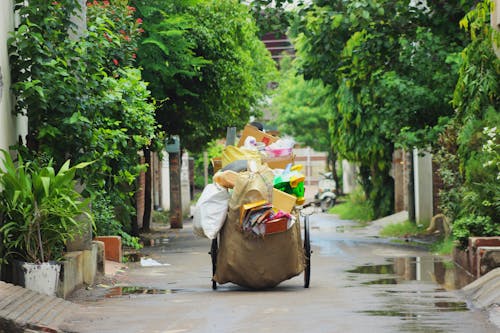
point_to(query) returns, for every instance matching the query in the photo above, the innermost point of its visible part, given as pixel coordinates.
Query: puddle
(373, 269)
(427, 268)
(157, 241)
(131, 290)
(389, 313)
(381, 281)
(451, 306)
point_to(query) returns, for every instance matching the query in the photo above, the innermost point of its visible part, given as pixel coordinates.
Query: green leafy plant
(106, 223)
(81, 86)
(474, 225)
(390, 68)
(195, 53)
(355, 208)
(405, 228)
(40, 209)
(444, 246)
(469, 148)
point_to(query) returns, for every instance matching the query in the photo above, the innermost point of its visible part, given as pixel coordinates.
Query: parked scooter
(326, 198)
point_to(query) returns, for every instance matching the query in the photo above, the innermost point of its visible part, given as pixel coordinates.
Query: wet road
(358, 284)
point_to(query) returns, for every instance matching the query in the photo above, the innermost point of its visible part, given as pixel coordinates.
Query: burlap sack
(253, 261)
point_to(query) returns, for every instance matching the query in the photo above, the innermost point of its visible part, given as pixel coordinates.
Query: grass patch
(444, 246)
(356, 211)
(405, 228)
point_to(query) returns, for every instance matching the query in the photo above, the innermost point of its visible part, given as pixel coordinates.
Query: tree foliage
(83, 99)
(301, 108)
(213, 67)
(303, 111)
(470, 163)
(391, 67)
(273, 15)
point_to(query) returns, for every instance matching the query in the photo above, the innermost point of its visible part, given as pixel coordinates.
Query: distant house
(278, 44)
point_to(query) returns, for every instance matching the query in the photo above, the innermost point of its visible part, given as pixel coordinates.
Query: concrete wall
(165, 183)
(423, 186)
(185, 185)
(10, 126)
(349, 175)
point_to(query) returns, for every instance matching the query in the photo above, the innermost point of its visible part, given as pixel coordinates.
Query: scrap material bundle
(259, 237)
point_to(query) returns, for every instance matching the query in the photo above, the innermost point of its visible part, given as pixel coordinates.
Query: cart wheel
(327, 204)
(307, 252)
(213, 255)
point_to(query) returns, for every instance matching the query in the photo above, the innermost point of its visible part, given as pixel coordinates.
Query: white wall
(7, 122)
(185, 184)
(10, 126)
(349, 175)
(165, 183)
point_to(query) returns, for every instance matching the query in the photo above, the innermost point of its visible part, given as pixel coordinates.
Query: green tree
(303, 110)
(273, 15)
(470, 162)
(382, 61)
(213, 68)
(82, 90)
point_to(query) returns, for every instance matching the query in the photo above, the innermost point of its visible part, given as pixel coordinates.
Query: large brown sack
(254, 261)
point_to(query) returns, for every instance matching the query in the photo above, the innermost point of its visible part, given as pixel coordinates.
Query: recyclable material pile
(249, 212)
(272, 213)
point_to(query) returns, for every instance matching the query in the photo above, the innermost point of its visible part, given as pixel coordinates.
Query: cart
(304, 212)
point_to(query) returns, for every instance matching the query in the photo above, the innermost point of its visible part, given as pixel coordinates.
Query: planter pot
(42, 278)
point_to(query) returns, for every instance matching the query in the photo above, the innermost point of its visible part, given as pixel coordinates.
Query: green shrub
(40, 208)
(473, 225)
(406, 228)
(355, 208)
(106, 222)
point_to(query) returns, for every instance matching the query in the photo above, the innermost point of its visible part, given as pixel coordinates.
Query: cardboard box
(283, 201)
(260, 136)
(217, 163)
(279, 162)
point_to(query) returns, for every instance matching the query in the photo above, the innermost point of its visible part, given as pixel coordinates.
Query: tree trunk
(332, 158)
(134, 223)
(147, 191)
(175, 191)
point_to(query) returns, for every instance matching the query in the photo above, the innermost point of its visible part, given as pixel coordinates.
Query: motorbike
(326, 198)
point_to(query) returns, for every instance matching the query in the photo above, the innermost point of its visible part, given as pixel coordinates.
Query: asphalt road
(359, 283)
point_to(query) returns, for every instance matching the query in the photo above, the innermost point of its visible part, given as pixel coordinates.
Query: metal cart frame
(306, 246)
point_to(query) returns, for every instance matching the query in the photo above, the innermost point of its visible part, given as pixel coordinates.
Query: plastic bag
(210, 211)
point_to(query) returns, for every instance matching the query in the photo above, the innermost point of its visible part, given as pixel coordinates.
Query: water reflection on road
(421, 291)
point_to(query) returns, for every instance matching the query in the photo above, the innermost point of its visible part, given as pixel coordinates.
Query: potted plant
(39, 209)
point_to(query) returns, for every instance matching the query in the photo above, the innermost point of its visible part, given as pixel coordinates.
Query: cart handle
(303, 209)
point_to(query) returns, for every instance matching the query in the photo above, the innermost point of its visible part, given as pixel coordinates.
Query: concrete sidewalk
(23, 310)
(484, 293)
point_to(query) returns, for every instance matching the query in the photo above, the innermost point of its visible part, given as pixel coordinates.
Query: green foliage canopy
(302, 108)
(79, 88)
(390, 67)
(213, 68)
(470, 162)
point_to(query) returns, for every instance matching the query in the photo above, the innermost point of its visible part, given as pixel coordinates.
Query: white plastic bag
(210, 211)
